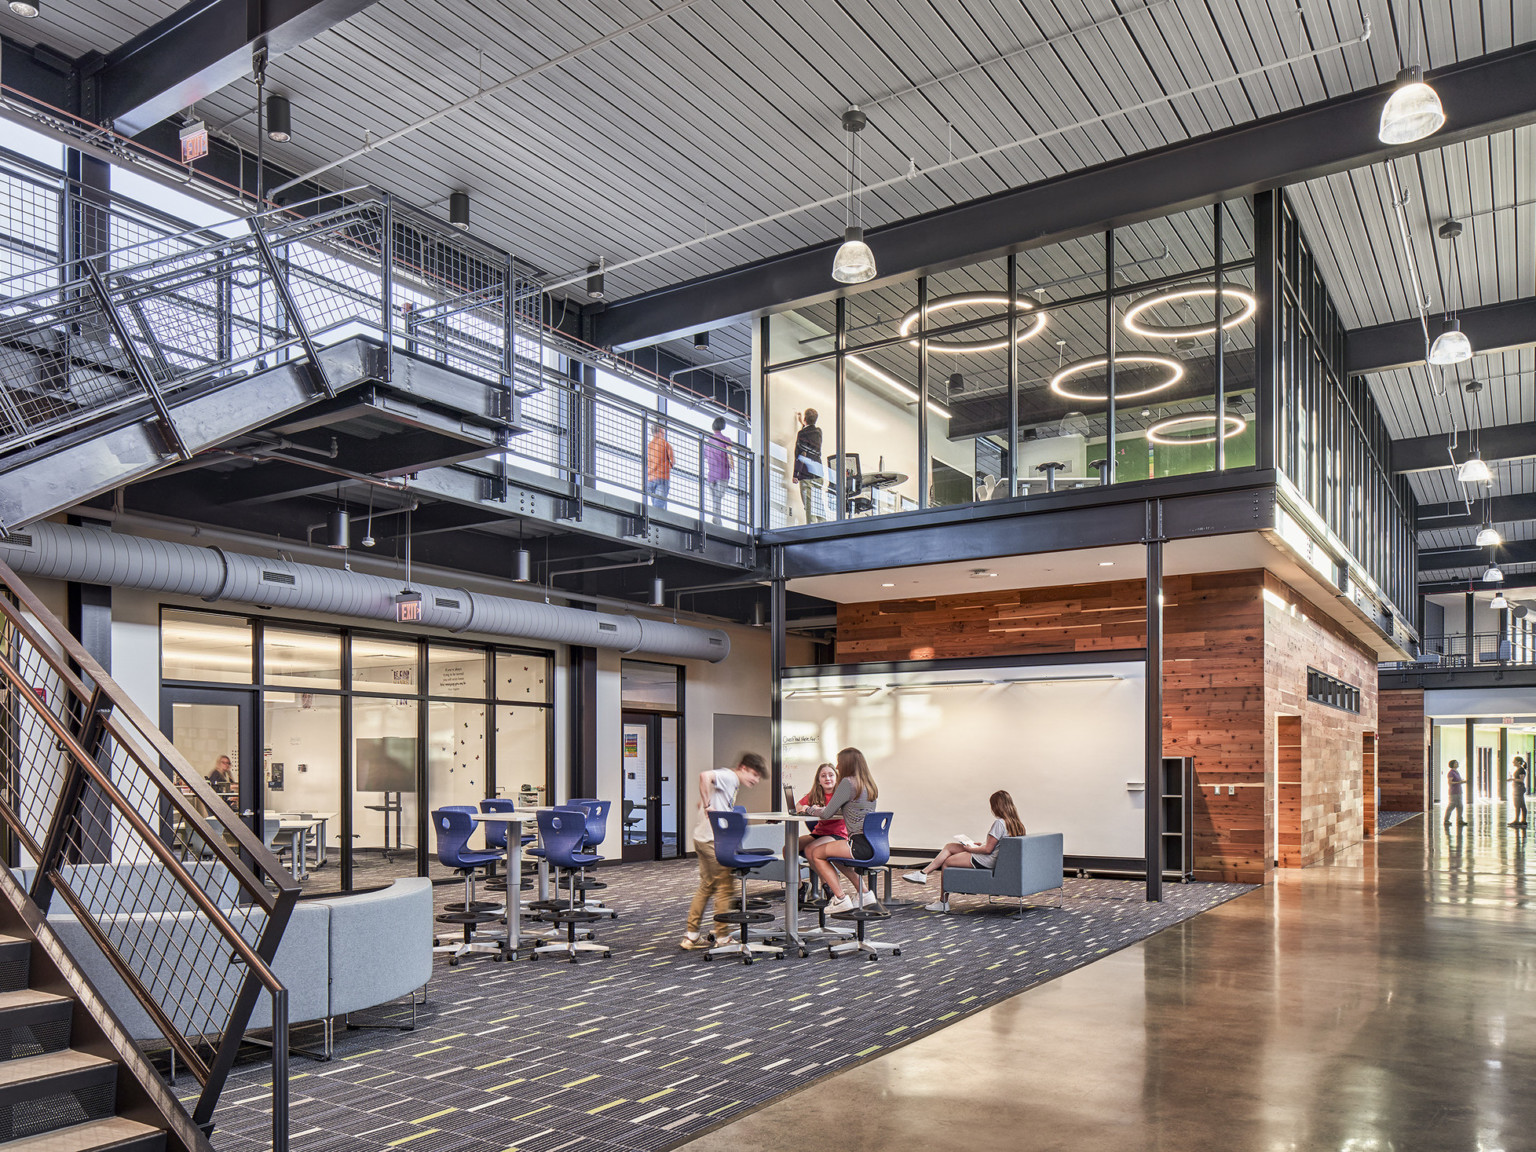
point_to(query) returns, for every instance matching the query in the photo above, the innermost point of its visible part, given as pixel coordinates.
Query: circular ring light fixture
(1174, 368)
(1158, 433)
(972, 300)
(1248, 305)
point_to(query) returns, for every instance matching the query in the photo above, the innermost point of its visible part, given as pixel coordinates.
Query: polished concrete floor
(1385, 1002)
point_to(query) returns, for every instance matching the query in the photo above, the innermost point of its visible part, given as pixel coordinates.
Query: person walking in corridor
(1453, 795)
(1517, 791)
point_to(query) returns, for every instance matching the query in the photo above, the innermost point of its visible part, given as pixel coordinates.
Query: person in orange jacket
(658, 464)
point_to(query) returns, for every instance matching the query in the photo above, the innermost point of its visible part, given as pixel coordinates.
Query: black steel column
(582, 775)
(1220, 343)
(764, 464)
(1266, 343)
(1109, 356)
(1471, 622)
(1013, 376)
(924, 466)
(777, 659)
(840, 422)
(1469, 762)
(1503, 762)
(1154, 702)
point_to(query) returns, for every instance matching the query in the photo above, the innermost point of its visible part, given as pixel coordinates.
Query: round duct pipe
(93, 556)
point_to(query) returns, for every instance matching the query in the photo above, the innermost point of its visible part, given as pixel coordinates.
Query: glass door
(215, 729)
(650, 815)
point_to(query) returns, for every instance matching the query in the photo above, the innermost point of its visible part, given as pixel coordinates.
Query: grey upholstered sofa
(336, 956)
(1025, 865)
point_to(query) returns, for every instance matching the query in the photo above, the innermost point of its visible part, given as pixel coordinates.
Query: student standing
(717, 466)
(658, 463)
(1517, 787)
(807, 471)
(852, 799)
(1453, 795)
(1006, 822)
(717, 793)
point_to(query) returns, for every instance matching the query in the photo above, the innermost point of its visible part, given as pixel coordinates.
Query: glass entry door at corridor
(215, 729)
(651, 818)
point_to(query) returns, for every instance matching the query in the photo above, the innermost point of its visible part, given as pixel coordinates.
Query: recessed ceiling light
(887, 585)
(1106, 563)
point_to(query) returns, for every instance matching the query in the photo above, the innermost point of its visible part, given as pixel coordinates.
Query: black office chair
(853, 480)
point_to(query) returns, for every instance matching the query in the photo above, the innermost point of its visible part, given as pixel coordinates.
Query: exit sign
(408, 607)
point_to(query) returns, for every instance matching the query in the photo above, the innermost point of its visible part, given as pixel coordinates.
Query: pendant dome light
(1413, 110)
(26, 9)
(1473, 470)
(1452, 345)
(1488, 536)
(1493, 575)
(1499, 602)
(854, 262)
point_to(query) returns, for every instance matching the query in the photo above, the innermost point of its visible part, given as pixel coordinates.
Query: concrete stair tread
(92, 1136)
(31, 1068)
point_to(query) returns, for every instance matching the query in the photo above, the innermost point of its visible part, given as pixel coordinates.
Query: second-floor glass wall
(1115, 357)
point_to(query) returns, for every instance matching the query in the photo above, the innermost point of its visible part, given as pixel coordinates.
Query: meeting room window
(358, 734)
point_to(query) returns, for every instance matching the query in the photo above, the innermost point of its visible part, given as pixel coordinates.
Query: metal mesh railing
(1516, 647)
(185, 907)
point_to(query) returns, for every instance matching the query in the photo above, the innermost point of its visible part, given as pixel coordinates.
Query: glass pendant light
(854, 262)
(1413, 110)
(1473, 470)
(1493, 575)
(1499, 603)
(1451, 346)
(1489, 537)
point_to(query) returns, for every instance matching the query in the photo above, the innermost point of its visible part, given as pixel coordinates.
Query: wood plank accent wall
(1222, 688)
(1288, 790)
(1403, 750)
(1369, 784)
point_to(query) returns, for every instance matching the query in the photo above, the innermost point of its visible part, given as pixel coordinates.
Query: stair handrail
(103, 712)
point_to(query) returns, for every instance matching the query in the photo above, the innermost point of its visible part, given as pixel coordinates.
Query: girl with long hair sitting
(852, 799)
(1006, 822)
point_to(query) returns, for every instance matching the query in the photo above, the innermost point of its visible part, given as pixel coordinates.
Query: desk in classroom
(792, 822)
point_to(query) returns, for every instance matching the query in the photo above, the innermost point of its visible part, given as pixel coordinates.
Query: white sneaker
(867, 899)
(841, 904)
(915, 877)
(937, 906)
(726, 941)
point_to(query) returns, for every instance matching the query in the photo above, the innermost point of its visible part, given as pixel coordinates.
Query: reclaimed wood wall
(1402, 750)
(1232, 661)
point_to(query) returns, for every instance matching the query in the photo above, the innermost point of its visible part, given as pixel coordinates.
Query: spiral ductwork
(94, 556)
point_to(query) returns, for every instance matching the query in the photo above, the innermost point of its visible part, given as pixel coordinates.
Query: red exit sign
(408, 608)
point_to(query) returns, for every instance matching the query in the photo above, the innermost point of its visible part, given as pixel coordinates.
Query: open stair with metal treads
(54, 1097)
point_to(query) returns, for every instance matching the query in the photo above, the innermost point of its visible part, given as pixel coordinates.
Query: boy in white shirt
(717, 793)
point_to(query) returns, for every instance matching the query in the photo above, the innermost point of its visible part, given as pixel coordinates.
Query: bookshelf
(1178, 801)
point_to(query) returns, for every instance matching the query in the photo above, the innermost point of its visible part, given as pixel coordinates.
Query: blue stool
(490, 869)
(730, 829)
(563, 831)
(597, 831)
(496, 837)
(454, 828)
(877, 830)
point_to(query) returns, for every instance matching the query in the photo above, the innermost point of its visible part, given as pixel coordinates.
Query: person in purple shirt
(1453, 795)
(717, 466)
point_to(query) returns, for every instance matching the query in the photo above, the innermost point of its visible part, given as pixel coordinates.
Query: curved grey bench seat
(337, 955)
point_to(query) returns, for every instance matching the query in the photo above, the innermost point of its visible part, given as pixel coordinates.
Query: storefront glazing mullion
(385, 697)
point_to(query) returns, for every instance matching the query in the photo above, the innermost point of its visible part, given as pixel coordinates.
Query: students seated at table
(1006, 822)
(852, 799)
(817, 797)
(717, 793)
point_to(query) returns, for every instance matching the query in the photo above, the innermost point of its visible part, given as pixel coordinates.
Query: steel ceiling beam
(1429, 453)
(1510, 552)
(1511, 583)
(1487, 94)
(1400, 344)
(1504, 510)
(198, 50)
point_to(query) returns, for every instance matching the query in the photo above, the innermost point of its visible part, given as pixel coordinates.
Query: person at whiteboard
(968, 853)
(853, 799)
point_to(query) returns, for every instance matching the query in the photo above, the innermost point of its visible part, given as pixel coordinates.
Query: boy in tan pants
(717, 793)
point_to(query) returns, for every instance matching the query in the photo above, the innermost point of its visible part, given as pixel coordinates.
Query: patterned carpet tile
(641, 1051)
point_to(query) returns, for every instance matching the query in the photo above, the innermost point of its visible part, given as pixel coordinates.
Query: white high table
(514, 866)
(792, 822)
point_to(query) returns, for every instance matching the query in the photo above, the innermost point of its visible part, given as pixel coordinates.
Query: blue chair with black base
(454, 828)
(877, 831)
(563, 832)
(730, 830)
(597, 832)
(496, 837)
(490, 869)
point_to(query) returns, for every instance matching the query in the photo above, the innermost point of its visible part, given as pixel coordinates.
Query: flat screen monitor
(385, 764)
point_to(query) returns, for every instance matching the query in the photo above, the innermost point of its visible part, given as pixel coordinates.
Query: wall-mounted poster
(275, 777)
(631, 745)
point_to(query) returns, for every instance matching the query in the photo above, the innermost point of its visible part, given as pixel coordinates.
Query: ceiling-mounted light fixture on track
(854, 262)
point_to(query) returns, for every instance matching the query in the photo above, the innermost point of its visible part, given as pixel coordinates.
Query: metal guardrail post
(162, 410)
(387, 284)
(285, 297)
(280, 1070)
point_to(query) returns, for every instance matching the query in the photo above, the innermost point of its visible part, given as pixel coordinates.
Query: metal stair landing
(53, 1097)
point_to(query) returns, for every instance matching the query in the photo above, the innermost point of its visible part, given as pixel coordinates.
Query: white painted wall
(1065, 751)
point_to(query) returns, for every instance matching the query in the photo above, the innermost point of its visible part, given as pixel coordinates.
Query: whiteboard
(1065, 740)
